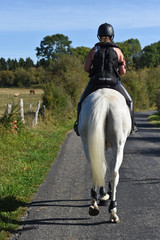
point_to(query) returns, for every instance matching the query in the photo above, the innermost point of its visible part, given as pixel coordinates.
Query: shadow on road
(141, 181)
(64, 221)
(60, 203)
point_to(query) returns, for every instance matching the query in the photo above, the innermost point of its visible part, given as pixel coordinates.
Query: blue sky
(24, 23)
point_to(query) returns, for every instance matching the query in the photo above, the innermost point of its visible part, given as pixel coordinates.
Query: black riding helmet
(105, 30)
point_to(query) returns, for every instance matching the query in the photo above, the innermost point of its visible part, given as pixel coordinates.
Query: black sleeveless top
(105, 65)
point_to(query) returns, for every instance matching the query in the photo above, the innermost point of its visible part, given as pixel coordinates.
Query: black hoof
(93, 211)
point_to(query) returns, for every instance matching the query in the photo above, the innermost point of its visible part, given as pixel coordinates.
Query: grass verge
(25, 160)
(155, 119)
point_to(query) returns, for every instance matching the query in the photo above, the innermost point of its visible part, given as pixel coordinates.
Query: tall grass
(26, 156)
(24, 162)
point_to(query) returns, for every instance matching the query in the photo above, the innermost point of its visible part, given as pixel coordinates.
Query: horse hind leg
(104, 197)
(115, 165)
(113, 211)
(113, 205)
(93, 209)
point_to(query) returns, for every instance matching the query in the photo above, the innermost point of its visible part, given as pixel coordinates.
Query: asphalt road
(60, 208)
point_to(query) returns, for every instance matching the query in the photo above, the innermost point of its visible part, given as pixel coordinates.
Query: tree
(21, 63)
(53, 46)
(6, 78)
(29, 63)
(42, 63)
(66, 80)
(150, 56)
(131, 50)
(81, 52)
(68, 73)
(12, 64)
(34, 76)
(3, 64)
(22, 78)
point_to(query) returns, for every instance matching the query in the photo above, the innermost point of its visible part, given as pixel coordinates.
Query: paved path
(60, 208)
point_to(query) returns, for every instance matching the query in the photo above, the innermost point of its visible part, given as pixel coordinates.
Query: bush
(56, 99)
(143, 85)
(68, 73)
(6, 78)
(157, 100)
(153, 84)
(135, 83)
(66, 83)
(12, 122)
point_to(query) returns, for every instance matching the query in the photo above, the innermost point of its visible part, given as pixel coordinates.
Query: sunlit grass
(24, 162)
(25, 159)
(155, 119)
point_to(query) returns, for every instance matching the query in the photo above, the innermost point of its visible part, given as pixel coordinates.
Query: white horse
(104, 118)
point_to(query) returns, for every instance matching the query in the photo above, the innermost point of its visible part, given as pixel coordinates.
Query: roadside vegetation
(28, 151)
(26, 156)
(24, 162)
(155, 119)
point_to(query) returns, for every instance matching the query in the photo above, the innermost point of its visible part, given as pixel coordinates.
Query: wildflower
(14, 132)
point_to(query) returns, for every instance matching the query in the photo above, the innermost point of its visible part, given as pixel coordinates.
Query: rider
(105, 63)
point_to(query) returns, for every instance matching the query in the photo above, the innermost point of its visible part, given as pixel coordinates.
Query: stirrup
(134, 128)
(76, 128)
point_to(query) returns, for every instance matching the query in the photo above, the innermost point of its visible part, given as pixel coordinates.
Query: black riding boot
(134, 128)
(76, 122)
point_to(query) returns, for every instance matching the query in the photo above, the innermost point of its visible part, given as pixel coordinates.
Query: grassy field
(7, 96)
(25, 159)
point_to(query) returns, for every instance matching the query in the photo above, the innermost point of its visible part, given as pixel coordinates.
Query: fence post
(30, 106)
(9, 107)
(43, 110)
(37, 111)
(22, 110)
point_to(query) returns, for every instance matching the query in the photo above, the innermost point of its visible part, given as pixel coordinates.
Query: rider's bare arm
(121, 61)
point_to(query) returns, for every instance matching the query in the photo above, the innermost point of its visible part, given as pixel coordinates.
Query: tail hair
(96, 143)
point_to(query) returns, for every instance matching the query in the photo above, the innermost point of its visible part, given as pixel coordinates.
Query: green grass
(25, 159)
(24, 162)
(155, 119)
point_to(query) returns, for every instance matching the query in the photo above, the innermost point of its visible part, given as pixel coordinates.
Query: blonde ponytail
(105, 39)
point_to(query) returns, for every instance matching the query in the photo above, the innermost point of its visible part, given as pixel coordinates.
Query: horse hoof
(115, 220)
(93, 211)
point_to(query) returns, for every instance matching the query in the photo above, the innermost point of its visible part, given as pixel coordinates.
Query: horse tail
(96, 141)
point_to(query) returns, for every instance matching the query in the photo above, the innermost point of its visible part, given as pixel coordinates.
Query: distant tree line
(59, 71)
(12, 64)
(51, 47)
